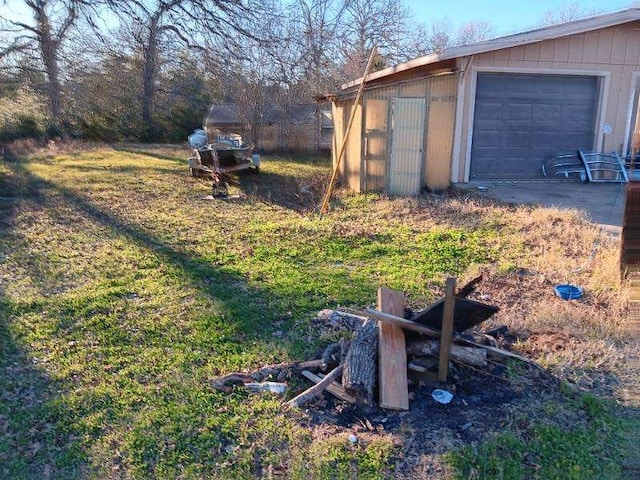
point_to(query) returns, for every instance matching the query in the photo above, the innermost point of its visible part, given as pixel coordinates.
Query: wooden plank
(392, 354)
(447, 329)
(494, 352)
(324, 208)
(334, 388)
(387, 318)
(316, 390)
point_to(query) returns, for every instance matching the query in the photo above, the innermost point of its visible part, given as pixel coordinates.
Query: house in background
(303, 127)
(494, 110)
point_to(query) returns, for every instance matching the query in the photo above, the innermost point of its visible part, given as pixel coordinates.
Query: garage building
(494, 110)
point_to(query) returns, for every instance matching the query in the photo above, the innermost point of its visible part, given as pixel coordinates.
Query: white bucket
(256, 159)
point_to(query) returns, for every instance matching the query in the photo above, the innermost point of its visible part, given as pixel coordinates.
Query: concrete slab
(602, 202)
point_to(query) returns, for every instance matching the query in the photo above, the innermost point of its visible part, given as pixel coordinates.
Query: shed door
(407, 139)
(521, 119)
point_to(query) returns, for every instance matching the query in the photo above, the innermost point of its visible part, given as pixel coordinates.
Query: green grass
(123, 293)
(590, 449)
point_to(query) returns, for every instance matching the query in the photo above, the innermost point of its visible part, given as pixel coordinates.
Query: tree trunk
(359, 372)
(49, 50)
(149, 86)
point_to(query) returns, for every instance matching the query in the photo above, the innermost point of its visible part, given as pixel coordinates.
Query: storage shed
(494, 110)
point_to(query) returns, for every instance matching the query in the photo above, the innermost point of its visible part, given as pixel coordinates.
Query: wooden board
(401, 322)
(334, 388)
(392, 354)
(447, 329)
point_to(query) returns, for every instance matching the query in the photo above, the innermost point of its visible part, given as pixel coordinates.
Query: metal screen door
(407, 143)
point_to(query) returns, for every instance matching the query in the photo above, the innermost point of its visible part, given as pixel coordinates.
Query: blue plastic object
(568, 292)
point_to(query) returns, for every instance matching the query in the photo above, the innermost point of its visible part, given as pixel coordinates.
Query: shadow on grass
(120, 169)
(34, 443)
(285, 190)
(37, 440)
(226, 287)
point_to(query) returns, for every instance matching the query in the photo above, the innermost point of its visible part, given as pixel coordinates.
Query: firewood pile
(387, 350)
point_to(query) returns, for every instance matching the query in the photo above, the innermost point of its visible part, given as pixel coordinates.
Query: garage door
(520, 120)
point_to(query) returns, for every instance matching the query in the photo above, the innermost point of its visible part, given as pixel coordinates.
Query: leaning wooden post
(447, 329)
(324, 207)
(392, 353)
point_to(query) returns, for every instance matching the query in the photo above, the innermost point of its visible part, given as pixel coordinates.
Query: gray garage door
(522, 119)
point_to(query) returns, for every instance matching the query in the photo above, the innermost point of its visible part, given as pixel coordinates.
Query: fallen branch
(226, 383)
(316, 390)
(279, 371)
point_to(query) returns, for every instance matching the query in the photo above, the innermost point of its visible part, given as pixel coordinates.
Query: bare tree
(442, 34)
(317, 28)
(191, 23)
(44, 37)
(382, 23)
(567, 13)
(473, 32)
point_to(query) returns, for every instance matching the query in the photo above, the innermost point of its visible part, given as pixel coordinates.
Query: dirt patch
(482, 406)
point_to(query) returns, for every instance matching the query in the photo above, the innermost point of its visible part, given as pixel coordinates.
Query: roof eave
(531, 36)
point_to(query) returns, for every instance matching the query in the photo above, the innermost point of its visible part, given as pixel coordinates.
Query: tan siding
(439, 141)
(532, 52)
(547, 51)
(561, 52)
(605, 48)
(501, 55)
(412, 90)
(516, 53)
(353, 157)
(612, 52)
(590, 53)
(619, 48)
(576, 49)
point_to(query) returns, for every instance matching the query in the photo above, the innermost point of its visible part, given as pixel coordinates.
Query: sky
(507, 16)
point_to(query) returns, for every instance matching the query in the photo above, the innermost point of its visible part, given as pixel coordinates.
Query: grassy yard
(123, 293)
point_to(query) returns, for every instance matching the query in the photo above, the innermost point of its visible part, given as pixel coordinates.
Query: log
(359, 373)
(498, 353)
(334, 388)
(392, 354)
(464, 355)
(316, 390)
(338, 318)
